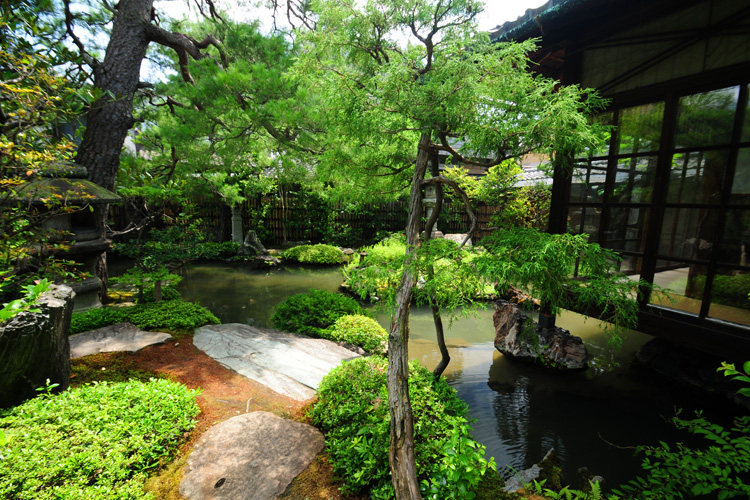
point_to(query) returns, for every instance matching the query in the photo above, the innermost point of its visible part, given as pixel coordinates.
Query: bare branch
(69, 21)
(185, 46)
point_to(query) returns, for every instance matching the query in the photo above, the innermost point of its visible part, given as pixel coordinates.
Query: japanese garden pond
(590, 418)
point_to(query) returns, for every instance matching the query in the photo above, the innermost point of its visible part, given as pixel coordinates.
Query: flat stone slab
(254, 456)
(119, 337)
(288, 363)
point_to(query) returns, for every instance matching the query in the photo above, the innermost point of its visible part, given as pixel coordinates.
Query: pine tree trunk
(111, 117)
(401, 456)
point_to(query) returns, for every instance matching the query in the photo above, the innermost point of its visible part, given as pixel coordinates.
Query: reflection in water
(240, 294)
(521, 411)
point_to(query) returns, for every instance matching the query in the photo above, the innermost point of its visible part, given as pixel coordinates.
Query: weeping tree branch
(460, 158)
(464, 197)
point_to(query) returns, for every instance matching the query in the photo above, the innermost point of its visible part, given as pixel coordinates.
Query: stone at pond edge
(254, 456)
(34, 347)
(111, 338)
(517, 336)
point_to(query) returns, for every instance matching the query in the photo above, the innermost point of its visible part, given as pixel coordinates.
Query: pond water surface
(590, 418)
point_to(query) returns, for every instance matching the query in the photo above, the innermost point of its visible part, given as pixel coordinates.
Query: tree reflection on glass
(706, 119)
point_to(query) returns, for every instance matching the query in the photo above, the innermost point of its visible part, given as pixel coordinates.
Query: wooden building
(671, 189)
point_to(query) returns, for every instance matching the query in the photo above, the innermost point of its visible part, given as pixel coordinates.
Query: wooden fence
(305, 219)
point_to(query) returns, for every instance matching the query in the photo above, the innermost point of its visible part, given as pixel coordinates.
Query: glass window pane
(631, 265)
(688, 232)
(684, 282)
(706, 119)
(746, 125)
(605, 120)
(588, 182)
(627, 229)
(640, 128)
(735, 242)
(729, 296)
(634, 180)
(741, 183)
(585, 220)
(697, 177)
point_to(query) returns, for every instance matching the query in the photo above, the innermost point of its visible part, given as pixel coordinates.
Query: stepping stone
(119, 337)
(254, 456)
(288, 363)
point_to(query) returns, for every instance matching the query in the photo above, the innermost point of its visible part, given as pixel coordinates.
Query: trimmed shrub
(313, 312)
(166, 314)
(94, 442)
(353, 409)
(359, 330)
(314, 254)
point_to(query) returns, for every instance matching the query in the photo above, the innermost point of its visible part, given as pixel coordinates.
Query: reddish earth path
(224, 394)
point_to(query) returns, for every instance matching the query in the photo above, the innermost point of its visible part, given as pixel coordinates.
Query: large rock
(289, 363)
(517, 336)
(254, 456)
(34, 347)
(118, 337)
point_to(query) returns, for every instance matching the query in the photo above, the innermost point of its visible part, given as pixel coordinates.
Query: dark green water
(521, 411)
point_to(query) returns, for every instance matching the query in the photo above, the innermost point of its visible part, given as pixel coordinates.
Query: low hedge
(97, 442)
(353, 410)
(166, 314)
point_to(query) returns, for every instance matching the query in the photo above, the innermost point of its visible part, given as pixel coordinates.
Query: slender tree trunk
(157, 291)
(436, 317)
(401, 455)
(445, 356)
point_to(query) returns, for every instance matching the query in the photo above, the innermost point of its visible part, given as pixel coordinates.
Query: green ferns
(353, 409)
(97, 442)
(314, 254)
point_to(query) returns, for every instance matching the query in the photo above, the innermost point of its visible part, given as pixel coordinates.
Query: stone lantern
(82, 230)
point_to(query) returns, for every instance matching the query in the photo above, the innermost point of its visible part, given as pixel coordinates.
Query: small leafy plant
(313, 312)
(25, 303)
(314, 254)
(95, 442)
(720, 470)
(152, 286)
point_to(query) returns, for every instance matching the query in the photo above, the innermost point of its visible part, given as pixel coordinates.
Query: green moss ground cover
(96, 442)
(172, 315)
